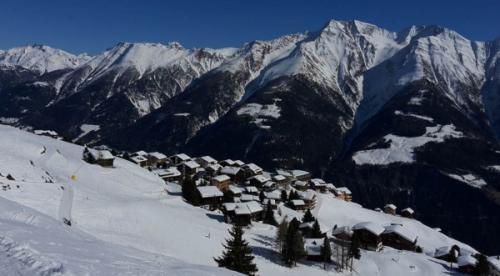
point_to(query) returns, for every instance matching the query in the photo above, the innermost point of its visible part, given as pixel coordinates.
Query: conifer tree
(238, 254)
(354, 250)
(262, 196)
(293, 249)
(326, 251)
(281, 232)
(284, 196)
(482, 267)
(190, 192)
(308, 217)
(316, 230)
(269, 215)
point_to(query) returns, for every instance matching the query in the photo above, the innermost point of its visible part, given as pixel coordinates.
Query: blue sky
(92, 26)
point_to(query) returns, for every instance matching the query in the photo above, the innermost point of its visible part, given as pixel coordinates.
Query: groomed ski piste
(125, 222)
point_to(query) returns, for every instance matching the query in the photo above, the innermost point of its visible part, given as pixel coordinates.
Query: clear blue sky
(92, 26)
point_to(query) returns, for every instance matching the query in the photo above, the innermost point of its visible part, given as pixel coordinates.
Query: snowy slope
(40, 58)
(128, 206)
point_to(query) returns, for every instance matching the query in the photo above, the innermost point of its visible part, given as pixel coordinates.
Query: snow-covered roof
(342, 230)
(247, 197)
(182, 156)
(299, 173)
(269, 184)
(343, 190)
(308, 195)
(251, 189)
(208, 159)
(254, 168)
(235, 190)
(313, 246)
(172, 171)
(273, 195)
(465, 260)
(209, 191)
(279, 177)
(229, 162)
(372, 227)
(158, 155)
(239, 163)
(390, 206)
(401, 231)
(138, 159)
(261, 178)
(283, 173)
(140, 153)
(191, 164)
(318, 182)
(298, 202)
(300, 183)
(230, 170)
(408, 210)
(105, 154)
(244, 208)
(221, 178)
(214, 167)
(330, 186)
(443, 250)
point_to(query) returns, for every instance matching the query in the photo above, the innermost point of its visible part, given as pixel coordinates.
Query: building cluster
(240, 190)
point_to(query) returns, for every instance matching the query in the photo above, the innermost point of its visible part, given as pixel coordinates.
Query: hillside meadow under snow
(125, 221)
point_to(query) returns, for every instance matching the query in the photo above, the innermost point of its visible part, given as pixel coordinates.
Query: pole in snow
(66, 202)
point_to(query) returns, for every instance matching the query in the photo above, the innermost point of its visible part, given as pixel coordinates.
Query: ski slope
(126, 211)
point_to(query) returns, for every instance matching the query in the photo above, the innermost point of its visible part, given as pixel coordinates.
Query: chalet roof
(298, 202)
(105, 155)
(465, 260)
(235, 190)
(214, 167)
(261, 178)
(208, 159)
(245, 208)
(221, 178)
(390, 206)
(343, 190)
(342, 230)
(370, 227)
(158, 155)
(300, 183)
(299, 173)
(251, 189)
(140, 153)
(313, 246)
(401, 231)
(209, 191)
(172, 171)
(330, 186)
(408, 210)
(138, 159)
(269, 201)
(442, 251)
(279, 177)
(318, 182)
(230, 170)
(229, 162)
(269, 184)
(182, 156)
(191, 164)
(247, 197)
(284, 173)
(239, 163)
(273, 195)
(254, 168)
(308, 195)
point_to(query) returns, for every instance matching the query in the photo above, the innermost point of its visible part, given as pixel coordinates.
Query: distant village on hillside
(244, 192)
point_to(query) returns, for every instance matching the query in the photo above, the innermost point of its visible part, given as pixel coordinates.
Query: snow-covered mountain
(351, 102)
(126, 220)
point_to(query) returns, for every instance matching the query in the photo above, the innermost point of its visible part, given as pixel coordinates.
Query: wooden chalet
(269, 186)
(227, 163)
(252, 190)
(235, 173)
(252, 170)
(390, 209)
(189, 168)
(140, 160)
(171, 174)
(407, 212)
(210, 195)
(259, 180)
(368, 234)
(298, 205)
(242, 213)
(318, 184)
(213, 170)
(234, 191)
(157, 159)
(239, 163)
(343, 193)
(281, 180)
(309, 198)
(447, 253)
(222, 182)
(301, 185)
(206, 161)
(300, 175)
(179, 159)
(312, 247)
(342, 233)
(399, 237)
(103, 158)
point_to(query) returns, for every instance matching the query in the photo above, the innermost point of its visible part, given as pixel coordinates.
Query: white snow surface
(120, 213)
(401, 148)
(260, 113)
(41, 58)
(469, 179)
